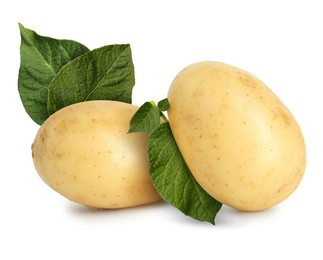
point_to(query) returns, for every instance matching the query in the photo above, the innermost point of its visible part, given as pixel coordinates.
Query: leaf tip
(21, 27)
(131, 130)
(212, 222)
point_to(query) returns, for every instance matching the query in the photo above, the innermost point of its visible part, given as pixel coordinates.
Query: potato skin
(241, 143)
(84, 152)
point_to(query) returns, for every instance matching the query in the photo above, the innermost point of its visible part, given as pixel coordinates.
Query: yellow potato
(241, 143)
(83, 152)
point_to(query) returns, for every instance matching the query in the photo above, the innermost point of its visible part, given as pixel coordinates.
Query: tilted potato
(84, 152)
(241, 143)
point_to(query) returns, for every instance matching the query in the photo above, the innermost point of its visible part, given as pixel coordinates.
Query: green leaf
(146, 119)
(163, 105)
(40, 60)
(106, 73)
(173, 179)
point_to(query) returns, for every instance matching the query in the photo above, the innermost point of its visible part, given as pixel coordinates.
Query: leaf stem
(163, 116)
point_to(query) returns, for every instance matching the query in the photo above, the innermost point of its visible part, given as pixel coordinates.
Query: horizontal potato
(84, 152)
(239, 140)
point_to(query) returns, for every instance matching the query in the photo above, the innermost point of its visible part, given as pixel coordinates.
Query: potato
(84, 152)
(241, 143)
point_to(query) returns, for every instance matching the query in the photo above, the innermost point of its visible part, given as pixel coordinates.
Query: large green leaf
(173, 179)
(40, 60)
(106, 73)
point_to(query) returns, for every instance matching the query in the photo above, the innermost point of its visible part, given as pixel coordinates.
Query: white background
(278, 41)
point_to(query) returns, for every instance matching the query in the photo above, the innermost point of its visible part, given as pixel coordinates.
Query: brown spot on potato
(248, 81)
(285, 117)
(224, 107)
(59, 155)
(61, 128)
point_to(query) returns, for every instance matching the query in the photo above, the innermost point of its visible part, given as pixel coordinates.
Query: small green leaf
(40, 60)
(173, 179)
(163, 105)
(146, 119)
(106, 73)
